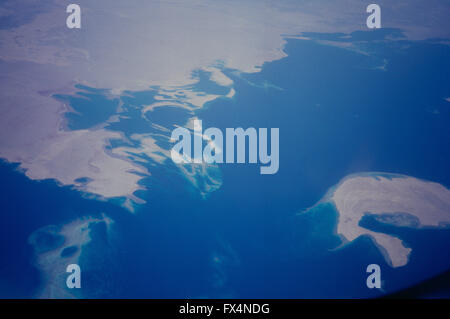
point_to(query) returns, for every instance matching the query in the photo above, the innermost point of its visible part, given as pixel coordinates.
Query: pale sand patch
(231, 93)
(357, 195)
(82, 154)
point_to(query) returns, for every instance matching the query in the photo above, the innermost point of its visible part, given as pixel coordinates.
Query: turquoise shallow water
(338, 112)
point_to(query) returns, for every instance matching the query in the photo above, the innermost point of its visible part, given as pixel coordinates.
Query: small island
(397, 200)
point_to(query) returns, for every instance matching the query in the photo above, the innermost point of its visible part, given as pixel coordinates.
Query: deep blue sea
(339, 112)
